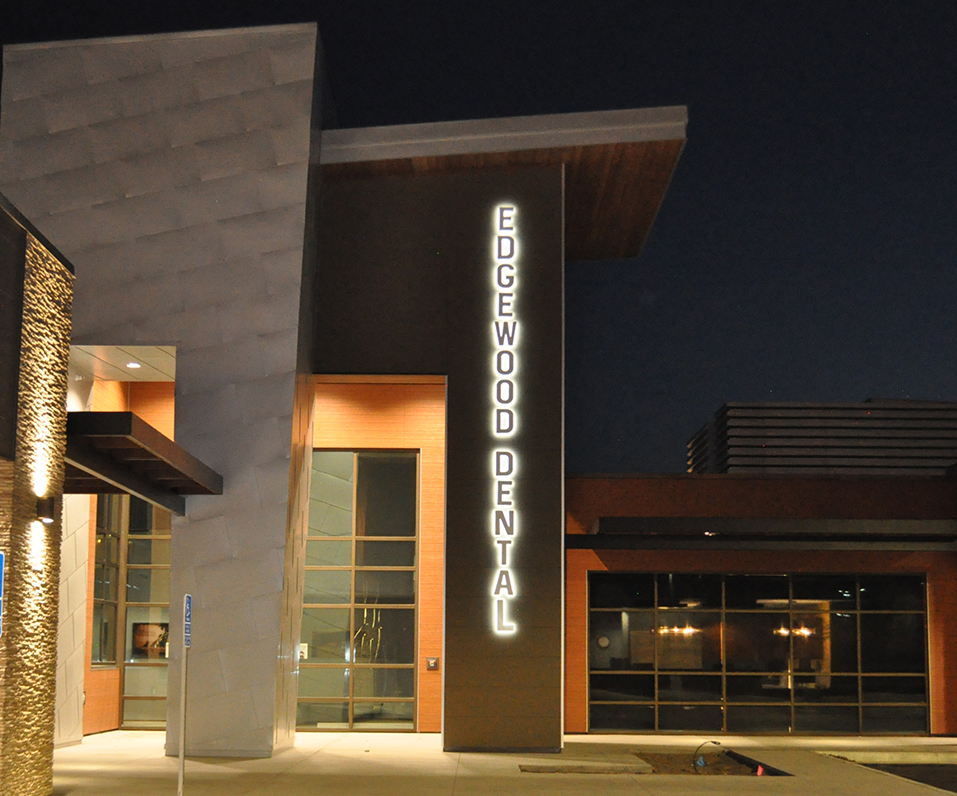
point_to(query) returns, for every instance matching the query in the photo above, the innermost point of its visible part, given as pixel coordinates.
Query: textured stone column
(28, 645)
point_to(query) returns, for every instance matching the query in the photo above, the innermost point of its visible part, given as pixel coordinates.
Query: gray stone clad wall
(172, 171)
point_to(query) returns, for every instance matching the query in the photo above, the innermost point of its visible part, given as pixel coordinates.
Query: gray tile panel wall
(172, 170)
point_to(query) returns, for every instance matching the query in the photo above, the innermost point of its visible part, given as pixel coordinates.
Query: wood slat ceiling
(612, 191)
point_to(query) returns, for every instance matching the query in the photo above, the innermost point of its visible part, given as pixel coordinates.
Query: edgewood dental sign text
(504, 417)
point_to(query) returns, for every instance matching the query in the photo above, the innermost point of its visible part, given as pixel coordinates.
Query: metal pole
(187, 617)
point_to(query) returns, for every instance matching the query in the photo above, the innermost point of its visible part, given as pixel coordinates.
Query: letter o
(504, 362)
(504, 391)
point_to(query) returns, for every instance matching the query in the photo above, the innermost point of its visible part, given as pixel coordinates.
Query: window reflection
(763, 653)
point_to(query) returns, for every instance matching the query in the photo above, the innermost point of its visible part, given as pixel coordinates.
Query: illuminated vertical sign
(504, 420)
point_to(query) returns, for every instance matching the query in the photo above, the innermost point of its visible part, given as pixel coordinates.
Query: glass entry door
(357, 646)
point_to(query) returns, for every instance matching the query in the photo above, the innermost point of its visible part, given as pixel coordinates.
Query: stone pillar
(28, 643)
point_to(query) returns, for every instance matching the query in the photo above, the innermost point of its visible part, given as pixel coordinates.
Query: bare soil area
(720, 763)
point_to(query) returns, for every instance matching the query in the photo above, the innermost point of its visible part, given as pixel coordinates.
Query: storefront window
(357, 646)
(757, 653)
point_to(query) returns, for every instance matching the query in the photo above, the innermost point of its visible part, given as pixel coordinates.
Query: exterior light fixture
(45, 510)
(133, 365)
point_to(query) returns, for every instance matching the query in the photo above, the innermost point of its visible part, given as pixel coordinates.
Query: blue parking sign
(187, 620)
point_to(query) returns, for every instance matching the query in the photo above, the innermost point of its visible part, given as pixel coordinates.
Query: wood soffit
(613, 189)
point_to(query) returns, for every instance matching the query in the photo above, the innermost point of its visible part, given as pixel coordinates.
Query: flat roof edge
(294, 27)
(509, 134)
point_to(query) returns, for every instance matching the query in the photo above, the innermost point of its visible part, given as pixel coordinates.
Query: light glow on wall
(505, 517)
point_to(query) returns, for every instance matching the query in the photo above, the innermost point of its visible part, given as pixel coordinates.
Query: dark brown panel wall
(13, 251)
(405, 286)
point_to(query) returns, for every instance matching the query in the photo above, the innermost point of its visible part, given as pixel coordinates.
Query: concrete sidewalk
(363, 764)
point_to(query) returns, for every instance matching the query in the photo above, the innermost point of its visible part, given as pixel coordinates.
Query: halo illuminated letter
(505, 517)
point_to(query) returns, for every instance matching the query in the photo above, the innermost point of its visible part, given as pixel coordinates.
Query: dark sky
(805, 249)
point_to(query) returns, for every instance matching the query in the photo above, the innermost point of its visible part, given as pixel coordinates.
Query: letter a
(504, 583)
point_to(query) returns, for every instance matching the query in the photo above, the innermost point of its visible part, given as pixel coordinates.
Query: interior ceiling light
(133, 365)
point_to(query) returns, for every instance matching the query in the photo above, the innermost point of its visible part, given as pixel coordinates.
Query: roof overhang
(117, 452)
(734, 533)
(618, 164)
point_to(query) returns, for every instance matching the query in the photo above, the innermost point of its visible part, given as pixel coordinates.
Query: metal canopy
(734, 533)
(118, 452)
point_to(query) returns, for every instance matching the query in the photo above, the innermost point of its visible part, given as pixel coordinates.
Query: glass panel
(837, 590)
(757, 642)
(147, 633)
(894, 689)
(385, 494)
(145, 680)
(108, 508)
(689, 591)
(327, 586)
(107, 548)
(330, 506)
(894, 720)
(689, 641)
(335, 463)
(613, 590)
(758, 688)
(754, 592)
(141, 516)
(690, 717)
(824, 718)
(385, 683)
(148, 551)
(622, 687)
(621, 640)
(892, 592)
(384, 635)
(142, 712)
(892, 642)
(326, 520)
(689, 688)
(824, 642)
(759, 718)
(621, 717)
(104, 633)
(328, 553)
(147, 585)
(316, 682)
(332, 490)
(825, 688)
(385, 587)
(385, 554)
(325, 635)
(105, 578)
(319, 715)
(383, 715)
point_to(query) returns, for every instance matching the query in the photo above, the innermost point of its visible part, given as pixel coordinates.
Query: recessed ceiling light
(133, 365)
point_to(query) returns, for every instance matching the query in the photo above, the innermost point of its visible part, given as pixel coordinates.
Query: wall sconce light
(45, 510)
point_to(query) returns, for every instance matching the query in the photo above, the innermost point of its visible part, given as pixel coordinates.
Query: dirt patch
(684, 763)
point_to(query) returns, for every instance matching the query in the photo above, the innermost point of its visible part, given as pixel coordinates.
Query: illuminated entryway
(374, 577)
(357, 648)
(807, 653)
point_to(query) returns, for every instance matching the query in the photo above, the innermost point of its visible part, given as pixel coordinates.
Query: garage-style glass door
(757, 653)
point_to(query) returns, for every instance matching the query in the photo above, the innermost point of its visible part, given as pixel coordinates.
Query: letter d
(504, 421)
(504, 462)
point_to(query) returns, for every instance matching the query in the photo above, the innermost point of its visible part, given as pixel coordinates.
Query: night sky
(805, 249)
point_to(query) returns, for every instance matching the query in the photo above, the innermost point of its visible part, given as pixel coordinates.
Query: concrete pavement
(363, 764)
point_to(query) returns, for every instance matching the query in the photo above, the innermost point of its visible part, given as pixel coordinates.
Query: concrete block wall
(172, 170)
(72, 630)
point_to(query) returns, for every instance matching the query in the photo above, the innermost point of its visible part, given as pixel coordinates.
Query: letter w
(505, 331)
